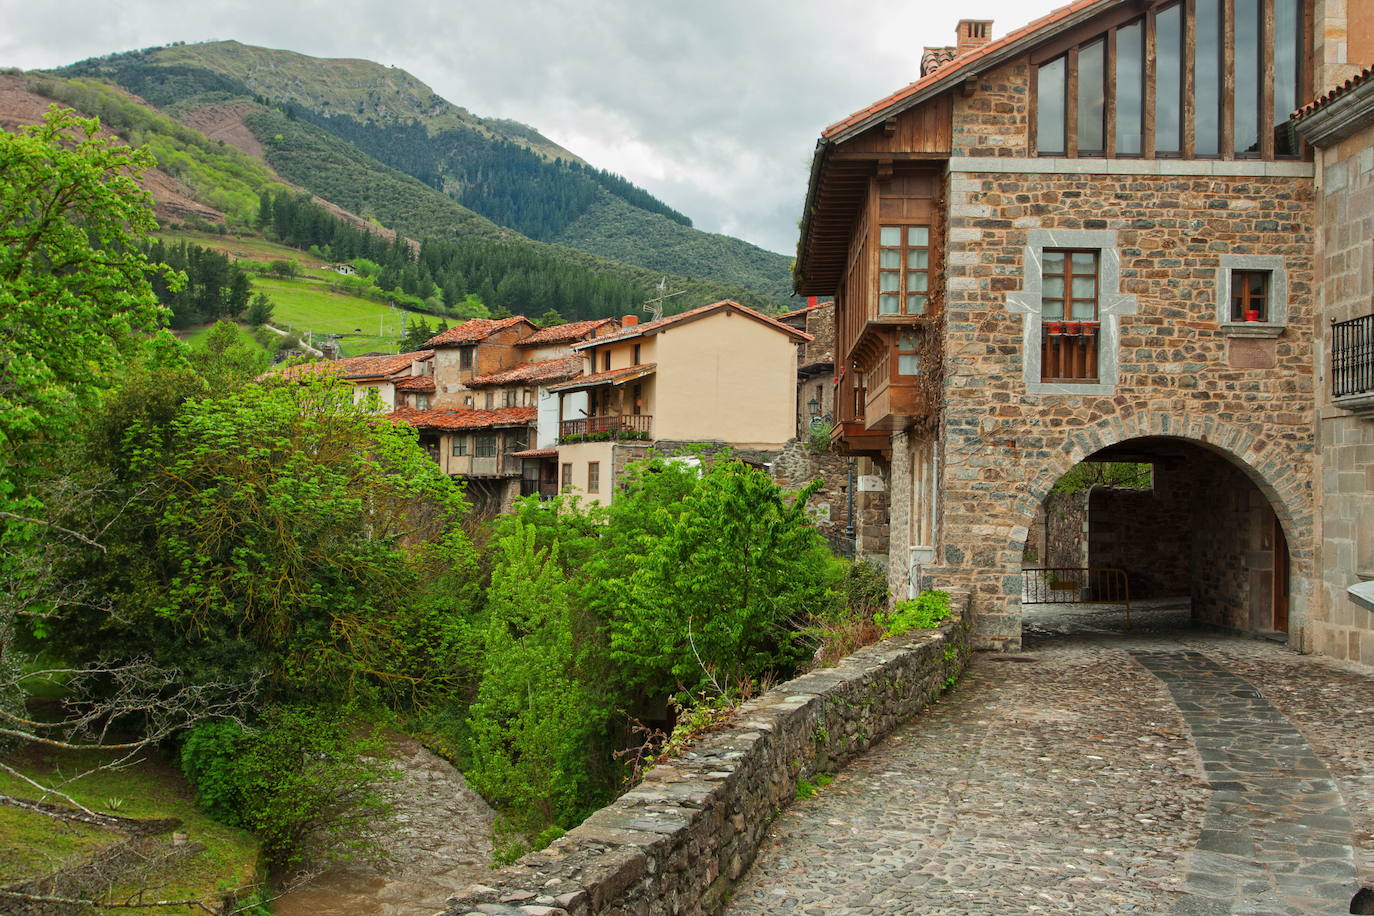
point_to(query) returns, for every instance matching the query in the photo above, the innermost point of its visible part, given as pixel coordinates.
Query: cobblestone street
(1159, 771)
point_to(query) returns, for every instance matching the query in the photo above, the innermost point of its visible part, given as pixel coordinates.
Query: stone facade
(1341, 626)
(798, 466)
(678, 842)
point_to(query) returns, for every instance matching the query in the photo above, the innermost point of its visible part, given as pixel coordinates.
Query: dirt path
(441, 844)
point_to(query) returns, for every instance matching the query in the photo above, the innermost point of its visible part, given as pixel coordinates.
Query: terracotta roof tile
(467, 419)
(358, 367)
(473, 330)
(653, 327)
(610, 375)
(415, 383)
(536, 453)
(802, 311)
(549, 370)
(562, 333)
(948, 72)
(1334, 93)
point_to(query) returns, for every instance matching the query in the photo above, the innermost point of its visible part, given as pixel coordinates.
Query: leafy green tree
(285, 530)
(259, 311)
(228, 362)
(536, 724)
(705, 575)
(74, 284)
(550, 318)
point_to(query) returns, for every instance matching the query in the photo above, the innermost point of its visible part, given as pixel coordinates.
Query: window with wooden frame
(489, 400)
(1156, 85)
(422, 402)
(465, 358)
(903, 270)
(1069, 314)
(510, 397)
(486, 446)
(566, 480)
(1249, 295)
(636, 359)
(460, 446)
(606, 360)
(593, 476)
(908, 360)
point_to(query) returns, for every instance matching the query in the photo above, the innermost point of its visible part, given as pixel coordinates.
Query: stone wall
(1179, 371)
(1148, 532)
(1066, 529)
(1345, 496)
(798, 466)
(678, 842)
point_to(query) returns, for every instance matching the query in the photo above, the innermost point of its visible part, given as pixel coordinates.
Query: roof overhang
(1343, 116)
(615, 380)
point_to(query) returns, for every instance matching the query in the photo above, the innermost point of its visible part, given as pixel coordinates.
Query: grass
(196, 337)
(31, 844)
(253, 248)
(307, 304)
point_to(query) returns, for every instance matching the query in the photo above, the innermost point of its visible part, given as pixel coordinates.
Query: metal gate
(1076, 585)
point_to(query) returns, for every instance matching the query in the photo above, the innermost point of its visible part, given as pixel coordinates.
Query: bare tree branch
(55, 527)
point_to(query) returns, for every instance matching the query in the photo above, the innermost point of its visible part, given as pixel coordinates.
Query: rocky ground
(1156, 771)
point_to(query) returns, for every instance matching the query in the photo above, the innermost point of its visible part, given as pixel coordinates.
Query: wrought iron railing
(1352, 356)
(625, 426)
(1076, 585)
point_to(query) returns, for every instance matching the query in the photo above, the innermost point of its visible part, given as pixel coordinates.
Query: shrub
(924, 612)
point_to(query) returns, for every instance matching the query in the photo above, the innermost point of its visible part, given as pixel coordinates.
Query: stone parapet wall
(678, 842)
(798, 466)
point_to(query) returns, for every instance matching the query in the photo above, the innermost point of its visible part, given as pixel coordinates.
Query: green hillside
(500, 170)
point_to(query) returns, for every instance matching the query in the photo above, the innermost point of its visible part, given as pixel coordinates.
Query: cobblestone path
(1157, 772)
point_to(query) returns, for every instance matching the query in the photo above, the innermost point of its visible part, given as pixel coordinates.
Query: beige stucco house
(722, 374)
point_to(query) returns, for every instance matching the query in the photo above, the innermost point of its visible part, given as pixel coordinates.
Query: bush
(924, 612)
(303, 783)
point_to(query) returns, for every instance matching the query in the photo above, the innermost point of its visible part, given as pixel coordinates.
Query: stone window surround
(1112, 303)
(1278, 295)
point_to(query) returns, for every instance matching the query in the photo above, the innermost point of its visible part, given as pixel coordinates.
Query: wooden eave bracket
(969, 85)
(884, 168)
(890, 126)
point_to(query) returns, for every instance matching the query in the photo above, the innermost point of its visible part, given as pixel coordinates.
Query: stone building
(1340, 125)
(1088, 240)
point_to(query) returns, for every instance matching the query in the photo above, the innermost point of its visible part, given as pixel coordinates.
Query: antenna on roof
(654, 306)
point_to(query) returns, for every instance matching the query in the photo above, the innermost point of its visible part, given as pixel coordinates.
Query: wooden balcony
(1068, 351)
(598, 429)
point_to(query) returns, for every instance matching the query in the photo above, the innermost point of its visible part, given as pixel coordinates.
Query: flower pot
(1090, 328)
(1252, 315)
(1075, 328)
(1055, 327)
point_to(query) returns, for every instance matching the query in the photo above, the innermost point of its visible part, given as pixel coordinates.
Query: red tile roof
(949, 74)
(536, 453)
(549, 370)
(358, 367)
(1336, 92)
(802, 311)
(415, 383)
(563, 333)
(653, 327)
(601, 378)
(466, 419)
(473, 330)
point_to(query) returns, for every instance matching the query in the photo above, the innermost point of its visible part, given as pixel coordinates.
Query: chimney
(810, 302)
(628, 320)
(973, 33)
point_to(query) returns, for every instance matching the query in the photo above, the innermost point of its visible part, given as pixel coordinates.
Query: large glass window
(486, 446)
(1169, 81)
(1069, 285)
(1092, 98)
(1232, 66)
(1050, 89)
(1130, 89)
(1207, 78)
(903, 270)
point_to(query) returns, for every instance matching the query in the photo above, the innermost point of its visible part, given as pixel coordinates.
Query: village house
(396, 380)
(1340, 124)
(1091, 239)
(720, 375)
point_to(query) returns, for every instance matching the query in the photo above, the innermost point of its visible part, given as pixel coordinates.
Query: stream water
(441, 844)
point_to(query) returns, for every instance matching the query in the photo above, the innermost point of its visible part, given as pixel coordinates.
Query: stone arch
(1273, 466)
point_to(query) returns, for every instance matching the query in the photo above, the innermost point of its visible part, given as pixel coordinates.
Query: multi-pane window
(465, 357)
(1249, 295)
(908, 361)
(1069, 285)
(510, 396)
(566, 480)
(593, 476)
(1092, 99)
(486, 446)
(903, 270)
(422, 402)
(460, 446)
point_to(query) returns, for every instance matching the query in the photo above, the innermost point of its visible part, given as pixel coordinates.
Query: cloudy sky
(713, 105)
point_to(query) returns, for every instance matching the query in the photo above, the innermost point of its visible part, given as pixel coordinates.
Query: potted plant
(1090, 328)
(1055, 327)
(1252, 315)
(1075, 328)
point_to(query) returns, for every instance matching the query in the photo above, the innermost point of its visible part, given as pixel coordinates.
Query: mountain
(504, 171)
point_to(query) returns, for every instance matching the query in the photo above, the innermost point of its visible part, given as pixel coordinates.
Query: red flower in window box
(1252, 315)
(1055, 327)
(1075, 327)
(1090, 328)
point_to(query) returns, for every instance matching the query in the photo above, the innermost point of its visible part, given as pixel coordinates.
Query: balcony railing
(1352, 356)
(625, 426)
(1068, 351)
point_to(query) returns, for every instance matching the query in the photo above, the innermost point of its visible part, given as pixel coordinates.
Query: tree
(705, 575)
(259, 311)
(551, 318)
(536, 723)
(74, 284)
